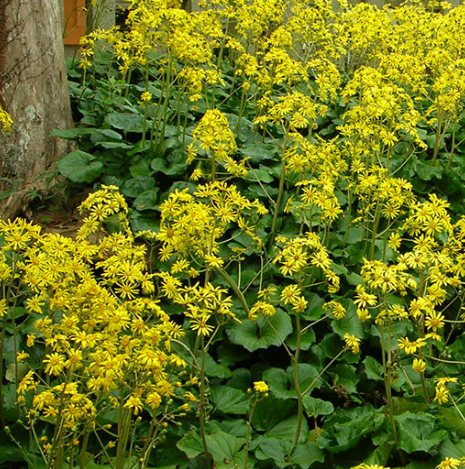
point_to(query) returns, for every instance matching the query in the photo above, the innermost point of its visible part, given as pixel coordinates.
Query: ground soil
(57, 214)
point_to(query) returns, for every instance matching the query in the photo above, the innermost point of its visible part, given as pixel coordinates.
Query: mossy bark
(33, 89)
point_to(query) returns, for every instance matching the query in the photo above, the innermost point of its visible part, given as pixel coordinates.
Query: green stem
(310, 386)
(149, 443)
(235, 289)
(452, 151)
(2, 348)
(438, 140)
(375, 231)
(82, 454)
(457, 408)
(387, 369)
(247, 435)
(202, 404)
(295, 375)
(124, 420)
(280, 196)
(56, 457)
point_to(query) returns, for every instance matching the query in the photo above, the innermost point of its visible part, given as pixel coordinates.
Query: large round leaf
(80, 166)
(263, 333)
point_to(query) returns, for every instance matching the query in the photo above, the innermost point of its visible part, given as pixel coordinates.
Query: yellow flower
(411, 347)
(5, 120)
(200, 325)
(213, 261)
(260, 386)
(451, 463)
(363, 299)
(153, 400)
(54, 363)
(261, 307)
(434, 321)
(352, 343)
(442, 394)
(290, 293)
(134, 403)
(146, 96)
(336, 309)
(3, 308)
(419, 365)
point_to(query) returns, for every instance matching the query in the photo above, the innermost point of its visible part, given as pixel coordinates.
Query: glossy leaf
(80, 166)
(263, 333)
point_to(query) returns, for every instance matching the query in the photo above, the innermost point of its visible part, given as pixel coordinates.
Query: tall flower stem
(203, 401)
(295, 376)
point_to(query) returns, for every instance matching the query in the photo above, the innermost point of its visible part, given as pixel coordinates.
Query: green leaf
(373, 368)
(241, 378)
(281, 382)
(381, 454)
(191, 444)
(344, 375)
(452, 450)
(223, 447)
(216, 370)
(263, 333)
(285, 430)
(305, 454)
(136, 186)
(278, 382)
(314, 308)
(126, 122)
(141, 168)
(167, 455)
(143, 221)
(453, 420)
(107, 133)
(331, 345)
(113, 145)
(316, 407)
(354, 279)
(426, 172)
(350, 323)
(9, 452)
(80, 166)
(307, 339)
(269, 412)
(176, 169)
(234, 426)
(259, 175)
(147, 200)
(417, 432)
(270, 448)
(340, 437)
(257, 152)
(158, 165)
(229, 400)
(72, 134)
(354, 235)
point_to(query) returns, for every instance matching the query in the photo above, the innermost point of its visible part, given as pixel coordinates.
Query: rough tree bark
(33, 89)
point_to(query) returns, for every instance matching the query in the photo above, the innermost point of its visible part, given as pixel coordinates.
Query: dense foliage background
(270, 271)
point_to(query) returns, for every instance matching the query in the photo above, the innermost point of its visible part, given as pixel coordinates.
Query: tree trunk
(33, 89)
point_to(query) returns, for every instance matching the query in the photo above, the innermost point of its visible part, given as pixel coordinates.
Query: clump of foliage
(294, 287)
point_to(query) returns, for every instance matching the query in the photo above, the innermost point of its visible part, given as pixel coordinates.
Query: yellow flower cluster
(102, 330)
(215, 136)
(192, 225)
(442, 393)
(200, 303)
(303, 254)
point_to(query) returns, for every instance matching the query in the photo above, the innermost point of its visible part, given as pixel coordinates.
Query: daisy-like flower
(260, 386)
(352, 343)
(54, 363)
